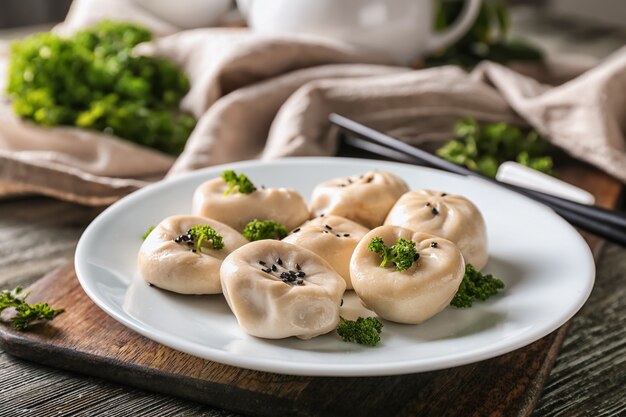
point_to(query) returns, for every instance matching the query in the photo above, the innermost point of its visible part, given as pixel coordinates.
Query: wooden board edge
(144, 378)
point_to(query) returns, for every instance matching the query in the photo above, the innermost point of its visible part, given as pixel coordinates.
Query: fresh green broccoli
(25, 313)
(402, 254)
(237, 183)
(92, 80)
(147, 233)
(264, 229)
(364, 331)
(483, 149)
(475, 286)
(203, 232)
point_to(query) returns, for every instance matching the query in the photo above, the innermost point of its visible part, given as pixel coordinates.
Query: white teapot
(402, 29)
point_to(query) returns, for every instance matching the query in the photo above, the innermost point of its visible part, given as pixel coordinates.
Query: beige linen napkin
(258, 96)
(96, 169)
(585, 116)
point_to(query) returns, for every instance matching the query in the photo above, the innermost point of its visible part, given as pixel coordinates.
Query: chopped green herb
(25, 313)
(475, 286)
(487, 39)
(147, 233)
(204, 233)
(237, 183)
(484, 149)
(364, 331)
(402, 254)
(92, 80)
(264, 229)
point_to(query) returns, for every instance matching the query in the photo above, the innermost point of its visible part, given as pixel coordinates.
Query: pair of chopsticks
(608, 224)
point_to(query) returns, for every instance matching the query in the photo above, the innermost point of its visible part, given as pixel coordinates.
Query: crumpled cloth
(269, 96)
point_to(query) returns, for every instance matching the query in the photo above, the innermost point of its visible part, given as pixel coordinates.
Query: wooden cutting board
(85, 340)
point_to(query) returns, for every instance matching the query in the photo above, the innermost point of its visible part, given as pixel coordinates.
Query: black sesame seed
(435, 211)
(262, 263)
(346, 235)
(301, 274)
(370, 179)
(328, 227)
(279, 261)
(338, 235)
(189, 244)
(341, 303)
(298, 267)
(152, 285)
(444, 194)
(296, 230)
(416, 257)
(300, 282)
(342, 185)
(193, 250)
(433, 244)
(178, 240)
(266, 270)
(427, 204)
(274, 268)
(322, 215)
(349, 181)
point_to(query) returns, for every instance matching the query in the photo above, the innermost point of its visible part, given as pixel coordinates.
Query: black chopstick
(606, 223)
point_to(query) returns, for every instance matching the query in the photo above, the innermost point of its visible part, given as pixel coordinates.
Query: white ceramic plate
(546, 266)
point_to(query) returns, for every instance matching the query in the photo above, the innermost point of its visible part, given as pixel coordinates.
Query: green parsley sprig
(203, 233)
(25, 313)
(264, 229)
(475, 286)
(93, 80)
(483, 149)
(237, 183)
(402, 254)
(147, 232)
(364, 331)
(487, 39)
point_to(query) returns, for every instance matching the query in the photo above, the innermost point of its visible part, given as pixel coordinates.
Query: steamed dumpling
(331, 237)
(282, 205)
(278, 290)
(414, 294)
(174, 266)
(366, 198)
(452, 217)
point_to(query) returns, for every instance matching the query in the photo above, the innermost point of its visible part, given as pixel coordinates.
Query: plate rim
(344, 370)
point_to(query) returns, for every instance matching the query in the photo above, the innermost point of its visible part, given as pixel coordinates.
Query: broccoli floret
(203, 232)
(147, 233)
(402, 254)
(264, 229)
(475, 286)
(483, 149)
(237, 183)
(364, 331)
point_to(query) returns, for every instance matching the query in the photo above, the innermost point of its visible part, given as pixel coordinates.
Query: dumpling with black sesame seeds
(450, 216)
(277, 290)
(365, 199)
(331, 237)
(417, 291)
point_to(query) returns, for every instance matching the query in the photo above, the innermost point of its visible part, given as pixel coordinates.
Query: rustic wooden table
(39, 234)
